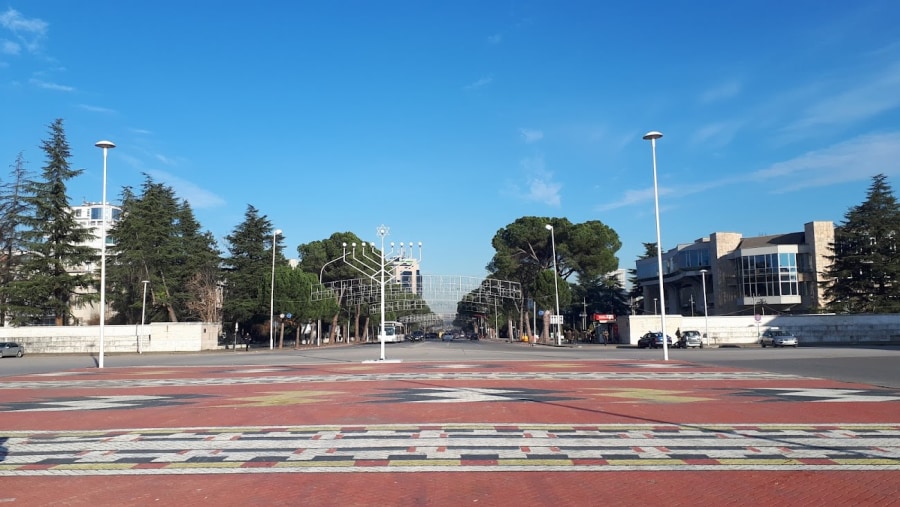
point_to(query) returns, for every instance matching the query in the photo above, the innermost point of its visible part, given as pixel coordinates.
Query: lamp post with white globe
(652, 137)
(106, 146)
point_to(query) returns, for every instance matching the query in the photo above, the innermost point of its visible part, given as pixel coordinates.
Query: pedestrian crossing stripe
(454, 447)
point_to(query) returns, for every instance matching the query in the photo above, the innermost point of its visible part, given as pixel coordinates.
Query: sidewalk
(615, 432)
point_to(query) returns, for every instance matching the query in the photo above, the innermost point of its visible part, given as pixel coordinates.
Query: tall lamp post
(376, 269)
(652, 137)
(106, 146)
(143, 312)
(275, 235)
(555, 285)
(705, 312)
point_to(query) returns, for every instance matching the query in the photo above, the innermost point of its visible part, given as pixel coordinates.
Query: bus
(394, 332)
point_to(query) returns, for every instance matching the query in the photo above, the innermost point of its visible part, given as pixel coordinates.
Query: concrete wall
(156, 337)
(881, 329)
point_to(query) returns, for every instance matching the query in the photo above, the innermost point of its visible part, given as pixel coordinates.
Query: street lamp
(555, 284)
(652, 137)
(143, 308)
(376, 269)
(382, 231)
(106, 146)
(272, 294)
(705, 313)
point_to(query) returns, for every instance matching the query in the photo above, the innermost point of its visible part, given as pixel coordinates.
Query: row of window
(769, 275)
(96, 213)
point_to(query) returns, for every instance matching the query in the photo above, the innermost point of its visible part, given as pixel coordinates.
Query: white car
(778, 338)
(10, 349)
(690, 339)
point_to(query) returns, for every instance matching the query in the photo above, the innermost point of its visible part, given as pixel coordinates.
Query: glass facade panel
(693, 259)
(769, 275)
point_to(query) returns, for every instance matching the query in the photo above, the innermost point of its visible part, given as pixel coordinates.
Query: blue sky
(447, 121)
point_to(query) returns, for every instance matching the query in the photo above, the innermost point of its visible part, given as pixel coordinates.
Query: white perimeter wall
(156, 337)
(810, 329)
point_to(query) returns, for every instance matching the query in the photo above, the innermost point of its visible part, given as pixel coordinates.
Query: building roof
(791, 238)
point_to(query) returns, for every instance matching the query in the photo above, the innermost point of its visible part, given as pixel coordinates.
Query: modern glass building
(742, 276)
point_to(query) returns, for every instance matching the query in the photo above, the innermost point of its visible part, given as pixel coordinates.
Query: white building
(90, 215)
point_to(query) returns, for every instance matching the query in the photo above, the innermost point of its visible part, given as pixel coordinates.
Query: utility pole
(584, 314)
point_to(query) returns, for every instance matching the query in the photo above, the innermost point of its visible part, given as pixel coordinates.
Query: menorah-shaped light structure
(376, 268)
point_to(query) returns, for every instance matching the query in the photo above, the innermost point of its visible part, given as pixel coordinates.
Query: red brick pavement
(131, 410)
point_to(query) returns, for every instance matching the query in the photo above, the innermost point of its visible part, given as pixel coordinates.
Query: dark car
(654, 340)
(416, 336)
(10, 349)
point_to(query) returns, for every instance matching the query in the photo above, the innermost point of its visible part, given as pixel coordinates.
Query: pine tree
(13, 208)
(159, 240)
(248, 270)
(865, 269)
(55, 246)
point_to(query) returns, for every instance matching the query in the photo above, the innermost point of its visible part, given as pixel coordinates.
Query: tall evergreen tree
(248, 270)
(13, 209)
(864, 276)
(55, 246)
(159, 240)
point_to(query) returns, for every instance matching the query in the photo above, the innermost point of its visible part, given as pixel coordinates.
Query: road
(876, 366)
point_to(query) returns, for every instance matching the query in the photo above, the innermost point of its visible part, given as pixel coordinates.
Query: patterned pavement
(491, 433)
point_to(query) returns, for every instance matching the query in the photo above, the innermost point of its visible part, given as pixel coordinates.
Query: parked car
(778, 338)
(654, 340)
(10, 349)
(690, 339)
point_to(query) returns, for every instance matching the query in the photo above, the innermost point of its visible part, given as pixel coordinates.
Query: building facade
(741, 276)
(90, 216)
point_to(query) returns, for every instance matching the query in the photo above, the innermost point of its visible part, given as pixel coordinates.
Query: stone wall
(881, 329)
(155, 337)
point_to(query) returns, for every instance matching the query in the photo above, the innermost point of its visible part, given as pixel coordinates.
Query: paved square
(613, 432)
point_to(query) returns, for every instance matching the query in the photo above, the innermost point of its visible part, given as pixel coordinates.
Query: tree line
(48, 267)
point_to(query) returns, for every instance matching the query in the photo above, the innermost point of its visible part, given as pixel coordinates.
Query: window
(769, 275)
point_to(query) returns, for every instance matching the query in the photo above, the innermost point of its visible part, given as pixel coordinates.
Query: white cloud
(51, 86)
(642, 196)
(540, 186)
(856, 159)
(165, 160)
(716, 134)
(480, 83)
(29, 32)
(198, 197)
(871, 96)
(96, 109)
(722, 92)
(8, 47)
(531, 135)
(853, 160)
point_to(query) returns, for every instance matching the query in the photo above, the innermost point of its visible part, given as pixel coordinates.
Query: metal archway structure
(444, 295)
